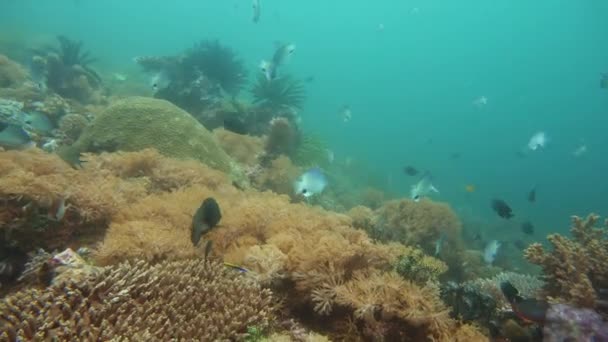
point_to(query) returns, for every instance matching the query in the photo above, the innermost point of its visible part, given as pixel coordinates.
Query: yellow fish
(469, 188)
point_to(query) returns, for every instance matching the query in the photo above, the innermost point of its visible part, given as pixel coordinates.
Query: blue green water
(410, 85)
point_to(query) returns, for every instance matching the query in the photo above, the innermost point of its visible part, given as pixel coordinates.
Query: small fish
(309, 79)
(470, 188)
(423, 187)
(519, 244)
(410, 170)
(528, 309)
(119, 77)
(580, 151)
(604, 81)
(159, 81)
(330, 155)
(236, 267)
(257, 11)
(310, 183)
(527, 227)
(346, 113)
(57, 209)
(14, 137)
(490, 252)
(439, 244)
(502, 208)
(268, 69)
(532, 195)
(282, 53)
(538, 141)
(205, 218)
(208, 247)
(480, 101)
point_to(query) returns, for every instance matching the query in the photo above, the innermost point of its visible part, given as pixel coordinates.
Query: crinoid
(284, 91)
(217, 62)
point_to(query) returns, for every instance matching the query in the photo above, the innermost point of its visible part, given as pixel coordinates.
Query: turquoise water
(411, 85)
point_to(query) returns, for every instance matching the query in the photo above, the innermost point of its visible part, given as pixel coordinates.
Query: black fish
(206, 217)
(519, 244)
(410, 170)
(502, 208)
(235, 125)
(532, 196)
(604, 81)
(528, 309)
(527, 228)
(208, 247)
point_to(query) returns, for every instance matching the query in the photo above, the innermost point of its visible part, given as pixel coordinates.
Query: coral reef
(566, 323)
(282, 138)
(194, 299)
(278, 176)
(311, 151)
(71, 125)
(67, 70)
(12, 74)
(574, 269)
(136, 123)
(281, 92)
(245, 149)
(419, 268)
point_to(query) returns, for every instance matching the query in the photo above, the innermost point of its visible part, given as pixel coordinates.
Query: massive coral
(196, 299)
(575, 269)
(12, 74)
(136, 123)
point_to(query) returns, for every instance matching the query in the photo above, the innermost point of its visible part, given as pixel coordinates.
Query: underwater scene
(267, 170)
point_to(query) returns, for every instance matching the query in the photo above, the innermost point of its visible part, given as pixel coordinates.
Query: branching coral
(245, 149)
(194, 299)
(390, 307)
(575, 268)
(418, 267)
(281, 92)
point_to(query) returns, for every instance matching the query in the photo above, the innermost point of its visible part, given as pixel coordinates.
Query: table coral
(183, 300)
(574, 268)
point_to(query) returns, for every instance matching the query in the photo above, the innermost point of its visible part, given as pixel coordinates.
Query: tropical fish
(159, 81)
(282, 53)
(423, 187)
(268, 69)
(236, 267)
(346, 113)
(470, 188)
(410, 170)
(205, 218)
(38, 122)
(527, 227)
(604, 80)
(531, 310)
(480, 101)
(310, 183)
(538, 141)
(491, 250)
(50, 146)
(57, 209)
(256, 10)
(502, 208)
(532, 195)
(14, 137)
(439, 244)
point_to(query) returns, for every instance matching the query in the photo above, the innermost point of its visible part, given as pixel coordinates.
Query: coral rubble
(194, 299)
(575, 269)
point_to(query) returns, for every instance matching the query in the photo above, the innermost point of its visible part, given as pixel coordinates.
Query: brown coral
(245, 149)
(575, 267)
(11, 74)
(71, 125)
(278, 176)
(193, 299)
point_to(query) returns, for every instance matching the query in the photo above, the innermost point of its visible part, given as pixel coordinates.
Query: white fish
(491, 250)
(538, 140)
(310, 183)
(423, 187)
(330, 155)
(480, 101)
(282, 53)
(256, 10)
(159, 81)
(50, 146)
(439, 244)
(346, 113)
(119, 77)
(580, 151)
(268, 69)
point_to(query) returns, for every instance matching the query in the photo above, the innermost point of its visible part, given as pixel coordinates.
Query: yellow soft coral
(575, 267)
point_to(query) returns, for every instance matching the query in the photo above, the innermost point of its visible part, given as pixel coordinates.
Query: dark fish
(410, 170)
(532, 195)
(14, 136)
(519, 244)
(235, 125)
(604, 81)
(502, 208)
(208, 247)
(309, 79)
(455, 155)
(532, 310)
(527, 228)
(205, 218)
